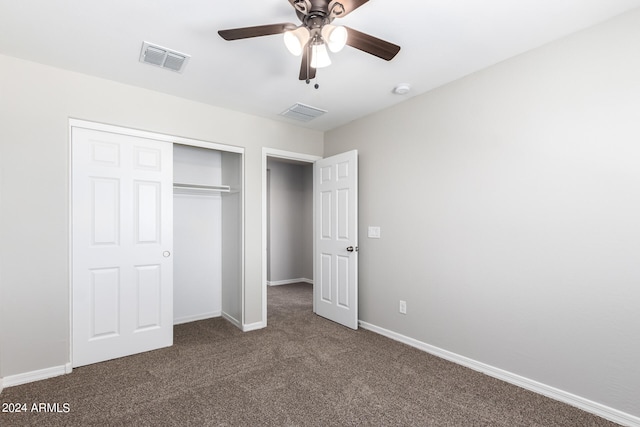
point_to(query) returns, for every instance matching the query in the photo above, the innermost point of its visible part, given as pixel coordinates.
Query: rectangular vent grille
(163, 57)
(302, 112)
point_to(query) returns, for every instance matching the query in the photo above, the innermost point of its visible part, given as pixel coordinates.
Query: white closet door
(122, 244)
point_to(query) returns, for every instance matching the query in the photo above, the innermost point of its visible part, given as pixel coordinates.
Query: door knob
(351, 249)
(166, 254)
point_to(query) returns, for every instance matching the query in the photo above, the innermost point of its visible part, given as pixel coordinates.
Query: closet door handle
(166, 254)
(351, 249)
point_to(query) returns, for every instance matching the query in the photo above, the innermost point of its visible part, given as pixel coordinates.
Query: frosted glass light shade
(319, 56)
(296, 40)
(335, 37)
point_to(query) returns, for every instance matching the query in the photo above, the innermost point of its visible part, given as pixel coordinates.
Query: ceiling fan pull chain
(308, 61)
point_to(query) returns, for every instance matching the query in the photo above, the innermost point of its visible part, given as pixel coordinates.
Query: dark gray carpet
(301, 370)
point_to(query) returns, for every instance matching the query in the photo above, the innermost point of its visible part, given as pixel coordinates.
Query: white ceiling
(442, 40)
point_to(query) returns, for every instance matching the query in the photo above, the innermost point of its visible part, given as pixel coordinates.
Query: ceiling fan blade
(306, 71)
(373, 45)
(258, 31)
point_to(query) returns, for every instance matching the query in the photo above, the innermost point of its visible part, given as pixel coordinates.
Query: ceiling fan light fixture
(316, 34)
(335, 36)
(296, 40)
(319, 56)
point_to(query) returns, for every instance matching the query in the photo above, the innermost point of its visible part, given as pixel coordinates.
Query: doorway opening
(287, 220)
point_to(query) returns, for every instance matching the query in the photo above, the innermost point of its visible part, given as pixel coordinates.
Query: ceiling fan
(317, 33)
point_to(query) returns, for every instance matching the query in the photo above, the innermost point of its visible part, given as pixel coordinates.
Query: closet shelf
(214, 188)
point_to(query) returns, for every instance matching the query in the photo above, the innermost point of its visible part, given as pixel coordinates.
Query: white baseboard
(38, 375)
(587, 405)
(203, 316)
(244, 328)
(289, 281)
(253, 326)
(232, 319)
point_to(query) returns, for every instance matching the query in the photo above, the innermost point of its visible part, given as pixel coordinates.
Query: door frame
(85, 124)
(278, 154)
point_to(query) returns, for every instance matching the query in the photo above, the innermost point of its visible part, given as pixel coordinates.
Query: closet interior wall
(197, 229)
(232, 238)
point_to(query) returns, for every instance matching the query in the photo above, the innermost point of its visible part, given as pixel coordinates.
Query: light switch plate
(403, 307)
(374, 232)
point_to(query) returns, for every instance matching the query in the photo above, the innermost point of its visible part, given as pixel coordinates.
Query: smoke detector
(163, 57)
(402, 89)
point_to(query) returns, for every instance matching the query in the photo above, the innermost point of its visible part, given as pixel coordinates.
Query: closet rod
(221, 188)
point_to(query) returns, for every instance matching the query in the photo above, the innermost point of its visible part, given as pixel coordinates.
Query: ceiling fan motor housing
(316, 13)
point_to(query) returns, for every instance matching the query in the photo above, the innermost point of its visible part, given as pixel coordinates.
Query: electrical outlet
(403, 307)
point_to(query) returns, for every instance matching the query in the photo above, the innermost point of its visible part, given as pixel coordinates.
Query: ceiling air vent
(163, 57)
(303, 113)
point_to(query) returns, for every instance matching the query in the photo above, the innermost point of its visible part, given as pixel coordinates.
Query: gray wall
(509, 203)
(290, 221)
(35, 107)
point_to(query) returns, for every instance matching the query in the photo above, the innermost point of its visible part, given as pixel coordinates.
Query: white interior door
(122, 244)
(335, 192)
